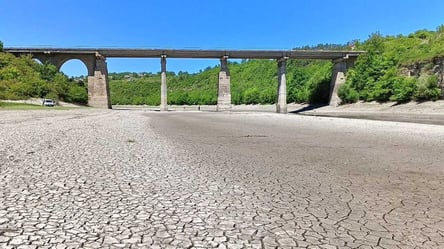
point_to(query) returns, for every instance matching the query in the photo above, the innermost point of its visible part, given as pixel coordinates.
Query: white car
(48, 102)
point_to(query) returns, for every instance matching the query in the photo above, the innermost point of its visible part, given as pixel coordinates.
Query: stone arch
(70, 60)
(88, 61)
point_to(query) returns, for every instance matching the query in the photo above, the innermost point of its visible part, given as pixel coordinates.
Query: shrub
(77, 94)
(138, 100)
(300, 95)
(348, 94)
(404, 89)
(251, 96)
(427, 88)
(384, 87)
(268, 96)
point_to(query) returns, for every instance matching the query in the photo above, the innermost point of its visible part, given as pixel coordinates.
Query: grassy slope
(23, 106)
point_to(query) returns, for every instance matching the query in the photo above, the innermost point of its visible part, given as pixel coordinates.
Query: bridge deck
(192, 53)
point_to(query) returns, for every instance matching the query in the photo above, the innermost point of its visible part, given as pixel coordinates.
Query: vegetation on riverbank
(252, 82)
(377, 74)
(23, 78)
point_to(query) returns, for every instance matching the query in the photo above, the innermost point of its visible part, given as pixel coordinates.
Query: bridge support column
(163, 86)
(98, 87)
(223, 90)
(281, 104)
(338, 78)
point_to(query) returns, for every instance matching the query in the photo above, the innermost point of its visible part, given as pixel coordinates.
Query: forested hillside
(395, 68)
(252, 82)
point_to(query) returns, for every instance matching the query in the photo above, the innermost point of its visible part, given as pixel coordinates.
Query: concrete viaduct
(98, 88)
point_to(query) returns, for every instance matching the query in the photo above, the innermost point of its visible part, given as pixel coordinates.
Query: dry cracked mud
(138, 179)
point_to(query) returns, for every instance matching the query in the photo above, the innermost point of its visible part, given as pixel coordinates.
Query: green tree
(404, 89)
(77, 94)
(47, 71)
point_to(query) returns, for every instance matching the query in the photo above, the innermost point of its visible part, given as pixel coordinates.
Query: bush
(236, 97)
(178, 98)
(138, 100)
(404, 89)
(268, 96)
(383, 88)
(427, 88)
(348, 94)
(251, 96)
(153, 100)
(77, 94)
(301, 95)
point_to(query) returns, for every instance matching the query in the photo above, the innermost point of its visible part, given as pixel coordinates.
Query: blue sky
(204, 24)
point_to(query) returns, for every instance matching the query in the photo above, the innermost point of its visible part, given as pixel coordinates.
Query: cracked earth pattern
(136, 179)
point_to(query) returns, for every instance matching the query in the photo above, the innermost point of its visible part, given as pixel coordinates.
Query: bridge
(98, 87)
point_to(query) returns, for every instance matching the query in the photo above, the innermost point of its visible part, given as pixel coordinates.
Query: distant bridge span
(98, 88)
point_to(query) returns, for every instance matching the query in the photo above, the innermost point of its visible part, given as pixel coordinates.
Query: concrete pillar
(281, 104)
(98, 87)
(163, 86)
(338, 78)
(223, 90)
